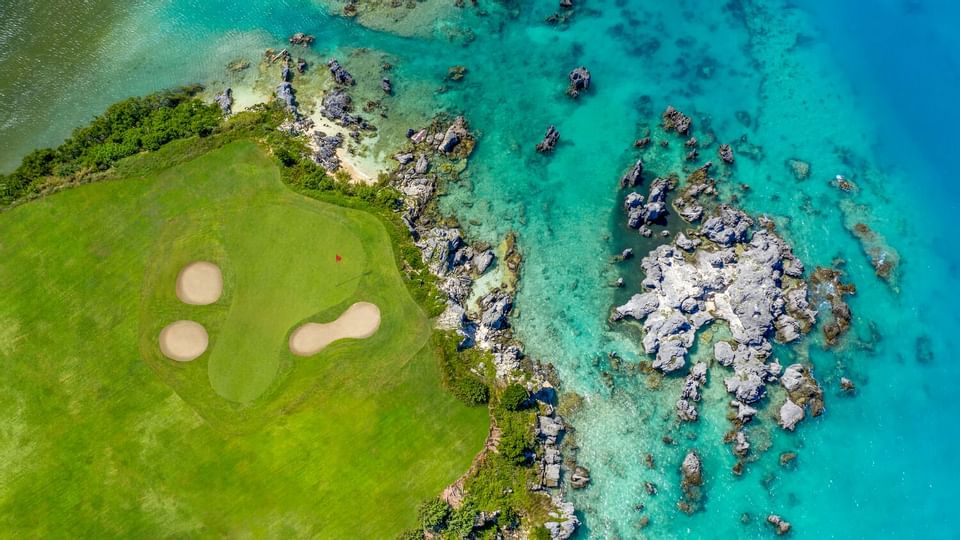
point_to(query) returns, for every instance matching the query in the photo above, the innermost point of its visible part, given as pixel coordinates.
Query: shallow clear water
(867, 97)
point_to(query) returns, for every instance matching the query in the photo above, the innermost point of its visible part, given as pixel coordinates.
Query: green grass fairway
(102, 436)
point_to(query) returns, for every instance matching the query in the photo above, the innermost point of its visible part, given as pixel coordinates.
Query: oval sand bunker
(199, 284)
(183, 341)
(359, 321)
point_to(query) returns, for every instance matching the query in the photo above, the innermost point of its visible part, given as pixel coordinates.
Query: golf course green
(104, 436)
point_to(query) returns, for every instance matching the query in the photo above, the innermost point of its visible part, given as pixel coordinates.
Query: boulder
(580, 477)
(579, 81)
(633, 177)
(225, 101)
(340, 74)
(422, 165)
(779, 524)
(725, 153)
(790, 415)
(674, 120)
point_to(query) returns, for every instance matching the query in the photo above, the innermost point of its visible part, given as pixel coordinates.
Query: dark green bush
(433, 514)
(514, 397)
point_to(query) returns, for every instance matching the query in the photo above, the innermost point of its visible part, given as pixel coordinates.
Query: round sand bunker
(199, 284)
(183, 341)
(359, 321)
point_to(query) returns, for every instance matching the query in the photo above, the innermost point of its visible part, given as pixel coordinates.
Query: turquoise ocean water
(863, 91)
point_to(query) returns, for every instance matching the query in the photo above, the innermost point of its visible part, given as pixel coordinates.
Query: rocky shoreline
(484, 323)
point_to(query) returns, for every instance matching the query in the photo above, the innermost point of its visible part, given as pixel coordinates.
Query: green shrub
(433, 514)
(412, 534)
(514, 397)
(455, 370)
(460, 524)
(540, 533)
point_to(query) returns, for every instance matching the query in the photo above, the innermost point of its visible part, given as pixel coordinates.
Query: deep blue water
(863, 91)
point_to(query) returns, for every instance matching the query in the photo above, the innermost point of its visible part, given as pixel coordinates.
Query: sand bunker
(183, 341)
(199, 284)
(359, 321)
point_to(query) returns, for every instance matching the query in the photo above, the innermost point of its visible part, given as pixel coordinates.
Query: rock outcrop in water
(340, 75)
(549, 141)
(579, 81)
(674, 120)
(691, 482)
(749, 279)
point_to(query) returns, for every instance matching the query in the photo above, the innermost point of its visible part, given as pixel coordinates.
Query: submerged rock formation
(549, 141)
(674, 120)
(579, 81)
(340, 75)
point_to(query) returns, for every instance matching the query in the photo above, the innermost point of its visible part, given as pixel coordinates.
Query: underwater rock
(828, 287)
(550, 140)
(633, 177)
(674, 120)
(579, 81)
(847, 385)
(301, 39)
(340, 74)
(799, 168)
(691, 482)
(386, 86)
(456, 73)
(301, 66)
(422, 166)
(725, 153)
(790, 415)
(225, 101)
(779, 524)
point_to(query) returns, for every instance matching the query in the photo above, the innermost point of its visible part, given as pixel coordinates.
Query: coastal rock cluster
(749, 279)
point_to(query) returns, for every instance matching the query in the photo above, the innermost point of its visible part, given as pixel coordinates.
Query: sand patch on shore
(361, 171)
(183, 341)
(199, 284)
(359, 321)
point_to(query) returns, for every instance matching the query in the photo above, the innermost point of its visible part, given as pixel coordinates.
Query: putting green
(103, 435)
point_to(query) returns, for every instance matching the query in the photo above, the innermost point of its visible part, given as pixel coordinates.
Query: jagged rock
(728, 227)
(340, 74)
(403, 159)
(301, 39)
(422, 165)
(741, 447)
(633, 177)
(650, 488)
(653, 211)
(285, 74)
(483, 261)
(301, 66)
(846, 384)
(580, 477)
(790, 415)
(284, 93)
(632, 200)
(507, 361)
(225, 101)
(496, 306)
(453, 136)
(644, 230)
(749, 389)
(685, 243)
(336, 105)
(676, 121)
(386, 86)
(658, 190)
(745, 413)
(691, 213)
(780, 525)
(550, 140)
(551, 475)
(726, 153)
(549, 428)
(325, 150)
(563, 522)
(686, 411)
(579, 81)
(638, 307)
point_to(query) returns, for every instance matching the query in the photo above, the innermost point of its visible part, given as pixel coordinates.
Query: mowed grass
(101, 436)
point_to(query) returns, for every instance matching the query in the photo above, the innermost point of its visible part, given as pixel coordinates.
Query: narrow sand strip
(183, 341)
(199, 284)
(359, 321)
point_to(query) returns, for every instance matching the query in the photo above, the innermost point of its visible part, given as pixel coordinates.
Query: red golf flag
(339, 258)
